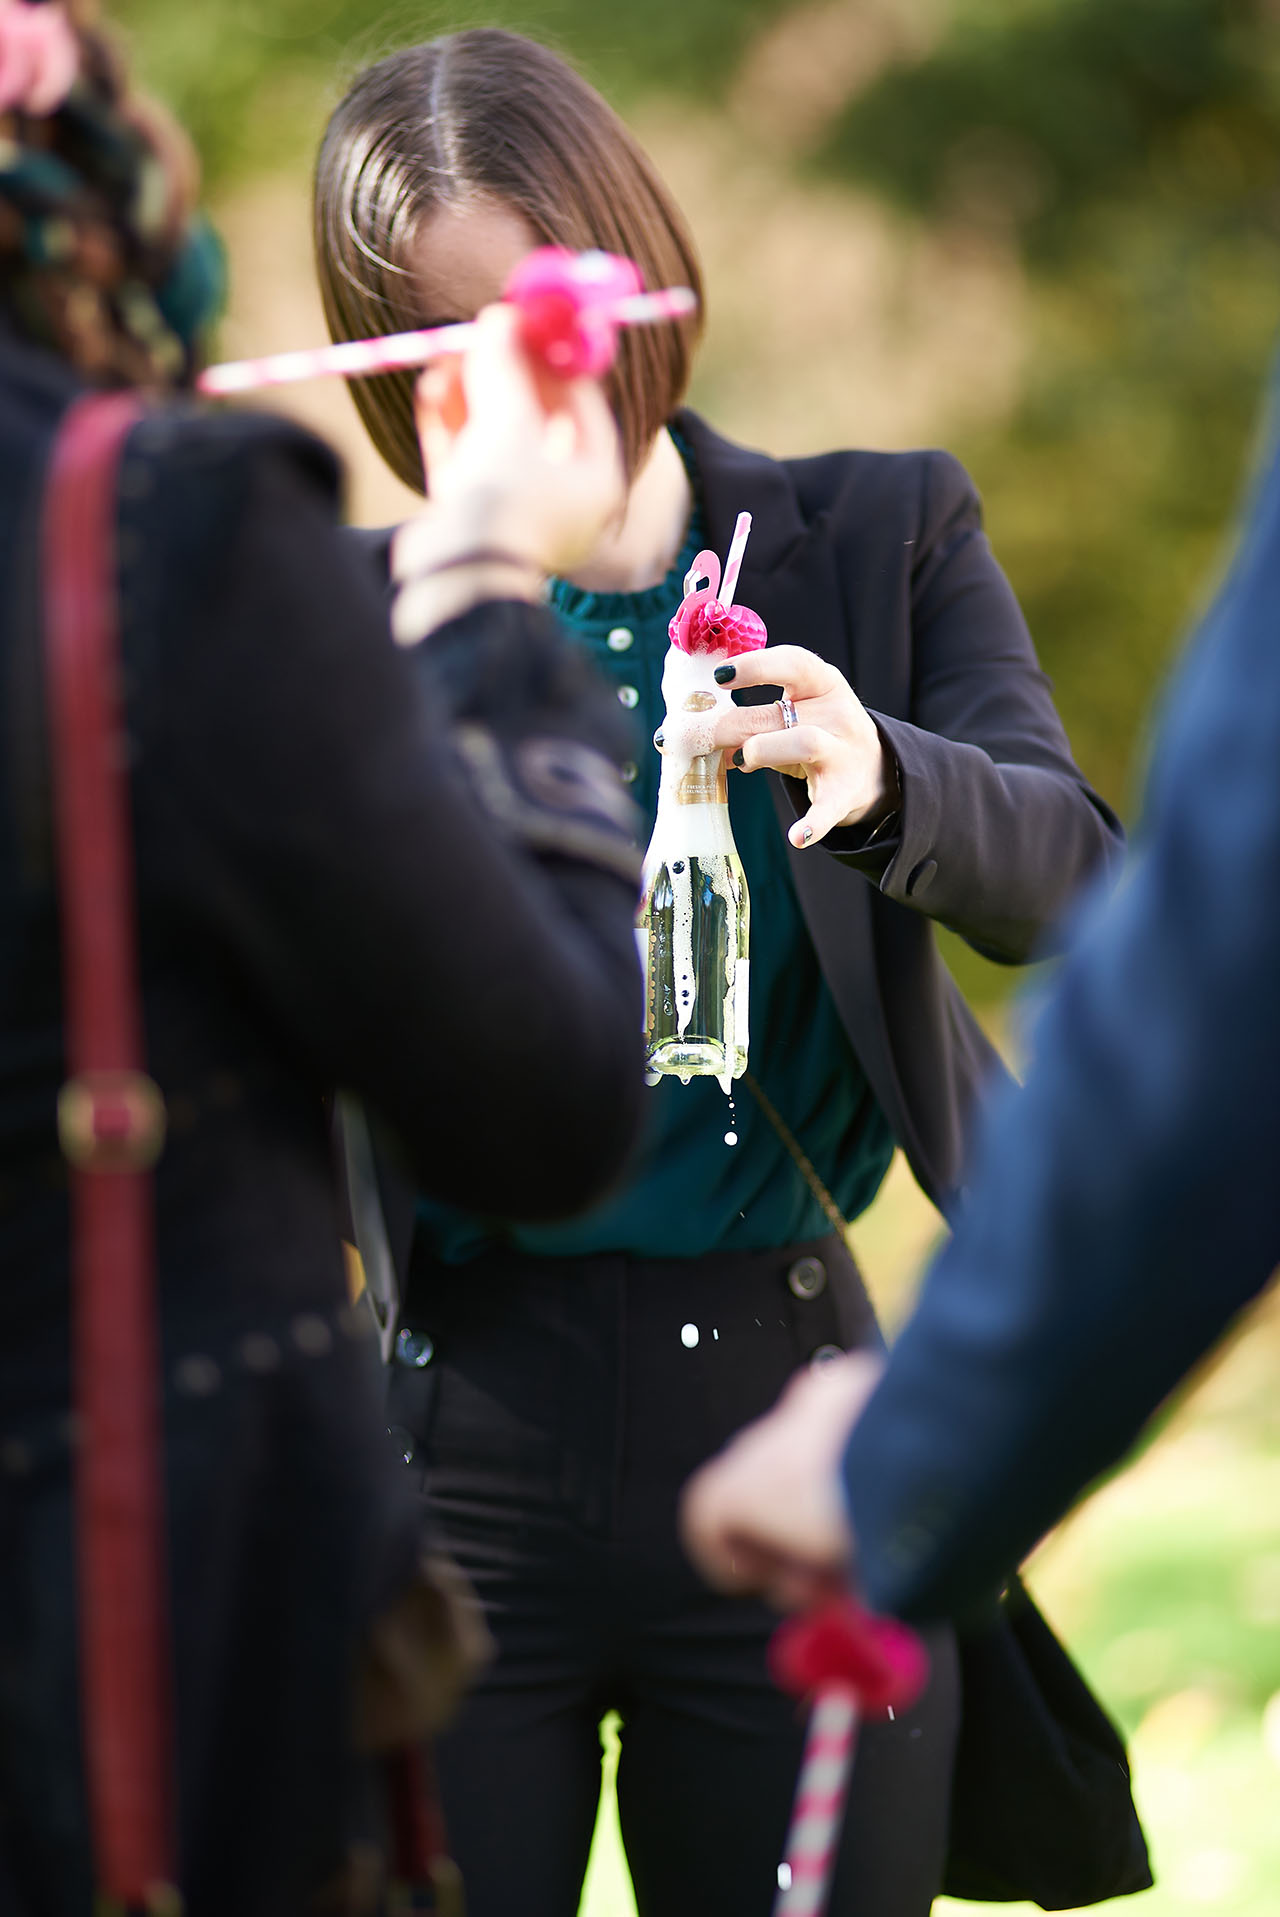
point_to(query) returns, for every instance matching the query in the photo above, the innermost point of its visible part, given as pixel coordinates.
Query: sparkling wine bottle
(693, 927)
(694, 921)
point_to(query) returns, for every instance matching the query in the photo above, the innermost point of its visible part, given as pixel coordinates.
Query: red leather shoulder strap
(111, 1123)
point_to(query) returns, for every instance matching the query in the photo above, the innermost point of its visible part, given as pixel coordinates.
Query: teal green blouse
(690, 1190)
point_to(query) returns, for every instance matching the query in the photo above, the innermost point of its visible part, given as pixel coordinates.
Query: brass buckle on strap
(111, 1121)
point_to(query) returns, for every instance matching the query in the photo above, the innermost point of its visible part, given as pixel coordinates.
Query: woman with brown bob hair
(556, 1384)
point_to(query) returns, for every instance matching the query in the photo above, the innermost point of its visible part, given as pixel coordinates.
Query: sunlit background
(1044, 234)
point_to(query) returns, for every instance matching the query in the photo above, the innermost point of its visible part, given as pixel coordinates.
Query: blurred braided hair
(102, 258)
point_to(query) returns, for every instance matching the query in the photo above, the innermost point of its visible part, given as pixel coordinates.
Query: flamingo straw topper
(855, 1665)
(571, 306)
(706, 619)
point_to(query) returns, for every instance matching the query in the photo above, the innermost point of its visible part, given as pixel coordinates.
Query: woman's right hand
(524, 471)
(819, 731)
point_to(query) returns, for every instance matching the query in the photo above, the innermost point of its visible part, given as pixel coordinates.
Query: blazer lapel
(790, 577)
(788, 573)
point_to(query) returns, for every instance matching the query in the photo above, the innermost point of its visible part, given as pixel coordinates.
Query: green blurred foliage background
(1126, 153)
(1132, 146)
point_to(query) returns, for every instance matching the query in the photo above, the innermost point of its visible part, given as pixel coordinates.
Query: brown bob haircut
(491, 114)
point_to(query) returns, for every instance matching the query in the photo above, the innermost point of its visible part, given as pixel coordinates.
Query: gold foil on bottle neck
(705, 783)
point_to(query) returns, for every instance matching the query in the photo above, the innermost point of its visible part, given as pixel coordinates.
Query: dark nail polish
(723, 674)
(737, 759)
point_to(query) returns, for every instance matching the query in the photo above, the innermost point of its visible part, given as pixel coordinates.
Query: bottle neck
(693, 811)
(700, 780)
(692, 781)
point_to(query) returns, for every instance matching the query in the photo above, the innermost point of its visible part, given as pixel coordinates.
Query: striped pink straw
(354, 359)
(733, 559)
(855, 1665)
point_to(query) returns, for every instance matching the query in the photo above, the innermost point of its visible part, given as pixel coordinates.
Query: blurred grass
(1166, 1586)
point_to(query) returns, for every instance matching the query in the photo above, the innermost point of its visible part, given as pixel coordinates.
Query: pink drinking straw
(706, 619)
(854, 1665)
(733, 563)
(571, 306)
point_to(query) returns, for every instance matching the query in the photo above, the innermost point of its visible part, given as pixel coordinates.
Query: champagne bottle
(694, 919)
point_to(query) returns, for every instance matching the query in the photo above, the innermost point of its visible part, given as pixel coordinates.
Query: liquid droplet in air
(731, 1138)
(688, 1336)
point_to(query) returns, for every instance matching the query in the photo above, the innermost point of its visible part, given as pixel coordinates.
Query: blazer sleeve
(416, 868)
(998, 828)
(1124, 1205)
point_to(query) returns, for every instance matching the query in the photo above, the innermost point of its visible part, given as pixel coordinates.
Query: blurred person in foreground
(1125, 1204)
(560, 1384)
(321, 900)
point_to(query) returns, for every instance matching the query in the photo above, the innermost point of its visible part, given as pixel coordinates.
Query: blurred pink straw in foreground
(855, 1665)
(571, 305)
(39, 58)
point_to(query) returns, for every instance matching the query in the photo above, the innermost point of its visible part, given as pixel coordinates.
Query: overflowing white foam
(688, 682)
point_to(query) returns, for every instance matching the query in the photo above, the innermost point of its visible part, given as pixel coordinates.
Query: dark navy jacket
(1126, 1204)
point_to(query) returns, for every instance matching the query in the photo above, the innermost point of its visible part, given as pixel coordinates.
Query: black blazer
(878, 562)
(321, 899)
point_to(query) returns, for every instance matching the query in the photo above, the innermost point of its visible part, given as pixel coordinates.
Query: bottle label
(705, 782)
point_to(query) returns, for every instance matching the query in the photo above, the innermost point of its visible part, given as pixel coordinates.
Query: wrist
(431, 599)
(879, 816)
(454, 532)
(490, 514)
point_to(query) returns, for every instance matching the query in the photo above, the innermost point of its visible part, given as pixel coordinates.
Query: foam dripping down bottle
(693, 927)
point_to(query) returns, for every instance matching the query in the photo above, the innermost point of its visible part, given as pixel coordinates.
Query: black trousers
(552, 1411)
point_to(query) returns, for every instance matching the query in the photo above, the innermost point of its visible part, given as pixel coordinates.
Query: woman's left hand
(819, 731)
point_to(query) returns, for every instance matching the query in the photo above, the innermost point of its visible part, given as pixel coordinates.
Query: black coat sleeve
(998, 827)
(314, 824)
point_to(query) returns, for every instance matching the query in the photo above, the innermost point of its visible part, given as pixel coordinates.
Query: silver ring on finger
(788, 711)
